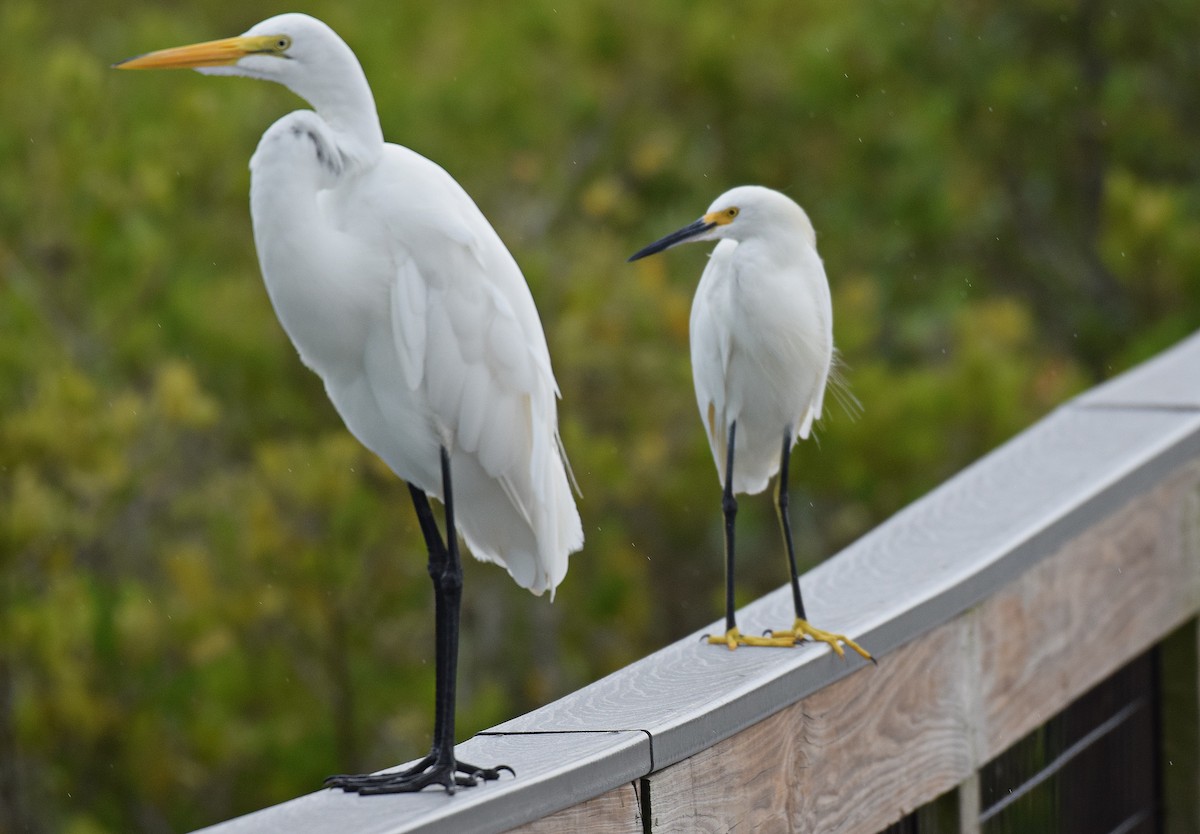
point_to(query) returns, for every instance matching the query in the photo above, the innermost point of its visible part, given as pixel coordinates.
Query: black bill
(686, 233)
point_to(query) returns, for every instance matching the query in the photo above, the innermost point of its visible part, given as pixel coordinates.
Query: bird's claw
(734, 638)
(488, 774)
(431, 770)
(802, 630)
(469, 777)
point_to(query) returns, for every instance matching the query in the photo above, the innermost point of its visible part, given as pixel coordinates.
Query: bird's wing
(464, 322)
(819, 312)
(407, 296)
(711, 346)
(473, 351)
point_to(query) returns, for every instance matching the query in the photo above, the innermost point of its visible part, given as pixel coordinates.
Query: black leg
(437, 562)
(448, 594)
(802, 628)
(732, 638)
(445, 569)
(729, 507)
(781, 507)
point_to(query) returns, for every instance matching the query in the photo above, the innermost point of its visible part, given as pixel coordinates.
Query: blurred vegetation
(211, 596)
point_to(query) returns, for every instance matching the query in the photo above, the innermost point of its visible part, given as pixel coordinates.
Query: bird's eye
(282, 43)
(731, 212)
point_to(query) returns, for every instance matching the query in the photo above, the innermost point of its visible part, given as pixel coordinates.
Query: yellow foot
(802, 629)
(734, 638)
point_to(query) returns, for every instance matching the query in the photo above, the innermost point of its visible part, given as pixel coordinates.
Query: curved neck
(342, 98)
(351, 114)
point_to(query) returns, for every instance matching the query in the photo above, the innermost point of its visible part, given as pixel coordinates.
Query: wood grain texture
(616, 812)
(963, 572)
(856, 756)
(1077, 617)
(935, 559)
(863, 752)
(554, 771)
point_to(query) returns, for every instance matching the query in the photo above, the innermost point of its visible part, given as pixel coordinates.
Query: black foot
(431, 770)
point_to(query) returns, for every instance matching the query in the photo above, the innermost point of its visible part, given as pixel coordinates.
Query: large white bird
(761, 336)
(398, 293)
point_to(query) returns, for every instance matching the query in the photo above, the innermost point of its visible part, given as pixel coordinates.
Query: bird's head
(748, 210)
(295, 50)
(302, 54)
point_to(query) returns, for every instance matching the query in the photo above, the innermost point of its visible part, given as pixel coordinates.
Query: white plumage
(761, 335)
(399, 294)
(396, 290)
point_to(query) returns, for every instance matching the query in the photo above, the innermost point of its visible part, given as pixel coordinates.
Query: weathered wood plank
(867, 750)
(855, 756)
(554, 771)
(1076, 618)
(974, 541)
(617, 812)
(932, 561)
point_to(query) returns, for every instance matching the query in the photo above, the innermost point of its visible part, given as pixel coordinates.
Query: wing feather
(711, 347)
(407, 296)
(472, 351)
(485, 368)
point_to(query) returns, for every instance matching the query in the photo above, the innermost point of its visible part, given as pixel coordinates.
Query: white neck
(347, 106)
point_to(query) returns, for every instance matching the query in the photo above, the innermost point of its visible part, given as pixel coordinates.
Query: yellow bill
(219, 53)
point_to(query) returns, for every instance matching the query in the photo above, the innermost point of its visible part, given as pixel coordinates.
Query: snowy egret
(397, 292)
(761, 336)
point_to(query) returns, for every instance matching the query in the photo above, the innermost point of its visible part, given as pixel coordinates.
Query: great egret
(398, 293)
(761, 335)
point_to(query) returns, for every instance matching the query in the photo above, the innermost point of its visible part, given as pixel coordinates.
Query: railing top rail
(935, 559)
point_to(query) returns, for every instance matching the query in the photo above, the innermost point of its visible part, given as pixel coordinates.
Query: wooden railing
(991, 604)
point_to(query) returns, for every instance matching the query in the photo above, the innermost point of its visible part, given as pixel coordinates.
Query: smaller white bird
(762, 351)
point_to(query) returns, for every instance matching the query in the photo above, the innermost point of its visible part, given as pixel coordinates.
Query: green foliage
(211, 596)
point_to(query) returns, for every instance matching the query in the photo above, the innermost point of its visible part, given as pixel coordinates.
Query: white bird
(397, 292)
(761, 335)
